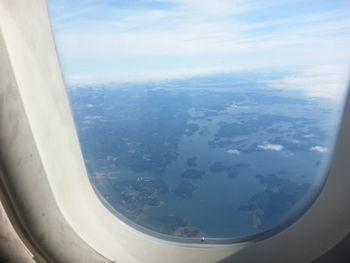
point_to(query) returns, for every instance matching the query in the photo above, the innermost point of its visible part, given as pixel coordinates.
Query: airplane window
(203, 120)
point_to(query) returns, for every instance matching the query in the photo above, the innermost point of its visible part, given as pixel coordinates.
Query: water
(191, 158)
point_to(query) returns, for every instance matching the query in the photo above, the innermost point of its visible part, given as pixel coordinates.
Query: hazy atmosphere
(205, 118)
(116, 40)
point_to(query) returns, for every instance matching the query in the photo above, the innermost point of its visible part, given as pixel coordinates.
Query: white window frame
(53, 202)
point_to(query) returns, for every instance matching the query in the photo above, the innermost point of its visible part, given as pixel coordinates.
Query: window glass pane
(205, 118)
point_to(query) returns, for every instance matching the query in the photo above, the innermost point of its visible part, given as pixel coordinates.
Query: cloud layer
(271, 147)
(233, 152)
(319, 149)
(156, 39)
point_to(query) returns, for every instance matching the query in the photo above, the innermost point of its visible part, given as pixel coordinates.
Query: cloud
(146, 75)
(272, 147)
(328, 81)
(98, 39)
(319, 149)
(233, 152)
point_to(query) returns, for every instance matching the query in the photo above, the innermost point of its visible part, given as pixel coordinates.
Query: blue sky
(126, 40)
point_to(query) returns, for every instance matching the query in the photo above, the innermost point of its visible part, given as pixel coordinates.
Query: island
(185, 190)
(192, 174)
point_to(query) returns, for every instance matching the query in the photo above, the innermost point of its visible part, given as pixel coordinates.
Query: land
(185, 190)
(232, 170)
(269, 207)
(132, 134)
(192, 174)
(139, 196)
(192, 162)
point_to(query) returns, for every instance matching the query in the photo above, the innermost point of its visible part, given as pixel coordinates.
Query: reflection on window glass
(205, 119)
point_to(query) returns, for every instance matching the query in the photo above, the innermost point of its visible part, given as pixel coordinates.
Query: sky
(140, 40)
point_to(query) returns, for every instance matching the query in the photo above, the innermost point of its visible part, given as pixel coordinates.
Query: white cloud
(329, 81)
(233, 152)
(97, 39)
(146, 75)
(309, 135)
(272, 147)
(319, 149)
